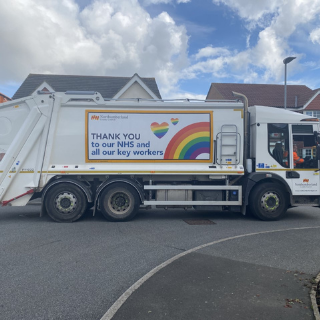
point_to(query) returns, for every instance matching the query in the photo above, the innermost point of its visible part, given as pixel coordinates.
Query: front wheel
(268, 202)
(119, 202)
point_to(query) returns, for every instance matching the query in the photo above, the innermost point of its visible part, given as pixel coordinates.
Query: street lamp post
(286, 61)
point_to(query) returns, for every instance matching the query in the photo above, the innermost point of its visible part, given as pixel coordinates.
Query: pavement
(211, 282)
(198, 286)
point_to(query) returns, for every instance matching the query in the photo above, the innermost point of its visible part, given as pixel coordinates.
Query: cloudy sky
(184, 44)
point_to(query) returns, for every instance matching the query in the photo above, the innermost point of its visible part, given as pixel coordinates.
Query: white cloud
(284, 16)
(293, 14)
(148, 2)
(268, 54)
(109, 37)
(248, 41)
(213, 66)
(315, 36)
(251, 9)
(179, 94)
(211, 52)
(262, 61)
(266, 57)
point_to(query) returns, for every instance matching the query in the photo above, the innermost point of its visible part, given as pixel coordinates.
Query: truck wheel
(65, 202)
(119, 202)
(268, 202)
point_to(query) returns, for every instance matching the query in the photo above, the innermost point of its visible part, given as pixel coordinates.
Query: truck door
(293, 146)
(304, 173)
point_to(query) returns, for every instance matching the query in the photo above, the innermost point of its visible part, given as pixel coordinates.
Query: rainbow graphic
(190, 142)
(174, 121)
(159, 130)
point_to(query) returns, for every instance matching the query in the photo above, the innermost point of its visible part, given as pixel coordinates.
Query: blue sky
(185, 44)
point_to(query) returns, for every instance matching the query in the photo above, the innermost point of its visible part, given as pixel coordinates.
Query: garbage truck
(77, 150)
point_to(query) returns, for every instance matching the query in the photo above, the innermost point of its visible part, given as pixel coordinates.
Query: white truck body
(168, 154)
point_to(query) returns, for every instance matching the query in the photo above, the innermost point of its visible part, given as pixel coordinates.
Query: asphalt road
(50, 270)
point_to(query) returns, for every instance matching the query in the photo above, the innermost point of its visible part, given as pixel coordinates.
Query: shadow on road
(32, 213)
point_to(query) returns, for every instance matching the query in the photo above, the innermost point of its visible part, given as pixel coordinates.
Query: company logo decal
(94, 117)
(159, 130)
(306, 186)
(190, 142)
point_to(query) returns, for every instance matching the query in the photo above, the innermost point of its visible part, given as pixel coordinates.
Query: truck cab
(284, 149)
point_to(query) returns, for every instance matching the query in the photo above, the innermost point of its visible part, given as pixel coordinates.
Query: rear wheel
(65, 202)
(119, 202)
(268, 202)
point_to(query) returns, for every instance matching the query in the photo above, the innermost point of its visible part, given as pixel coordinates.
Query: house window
(315, 114)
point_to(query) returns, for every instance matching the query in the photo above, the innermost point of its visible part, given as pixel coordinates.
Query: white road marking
(122, 299)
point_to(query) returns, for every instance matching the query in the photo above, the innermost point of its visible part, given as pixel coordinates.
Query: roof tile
(263, 94)
(314, 104)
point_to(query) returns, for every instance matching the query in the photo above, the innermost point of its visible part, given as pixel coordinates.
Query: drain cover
(198, 222)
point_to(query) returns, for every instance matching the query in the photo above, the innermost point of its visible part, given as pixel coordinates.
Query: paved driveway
(77, 271)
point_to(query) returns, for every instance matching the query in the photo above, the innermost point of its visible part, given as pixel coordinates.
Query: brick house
(300, 98)
(4, 98)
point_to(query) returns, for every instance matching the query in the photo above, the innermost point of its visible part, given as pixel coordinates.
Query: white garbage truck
(76, 150)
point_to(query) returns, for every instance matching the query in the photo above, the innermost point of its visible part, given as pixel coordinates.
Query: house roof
(4, 96)
(264, 94)
(314, 104)
(107, 86)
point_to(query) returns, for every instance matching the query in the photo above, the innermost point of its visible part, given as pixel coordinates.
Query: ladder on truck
(228, 141)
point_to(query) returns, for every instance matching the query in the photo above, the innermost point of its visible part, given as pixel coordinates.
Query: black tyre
(119, 202)
(65, 202)
(268, 202)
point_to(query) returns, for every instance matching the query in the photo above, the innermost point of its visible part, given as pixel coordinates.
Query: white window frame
(315, 113)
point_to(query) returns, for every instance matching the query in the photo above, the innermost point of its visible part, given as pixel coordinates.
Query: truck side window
(278, 143)
(305, 147)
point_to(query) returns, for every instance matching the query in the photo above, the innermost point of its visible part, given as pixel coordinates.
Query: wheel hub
(66, 202)
(120, 202)
(270, 201)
